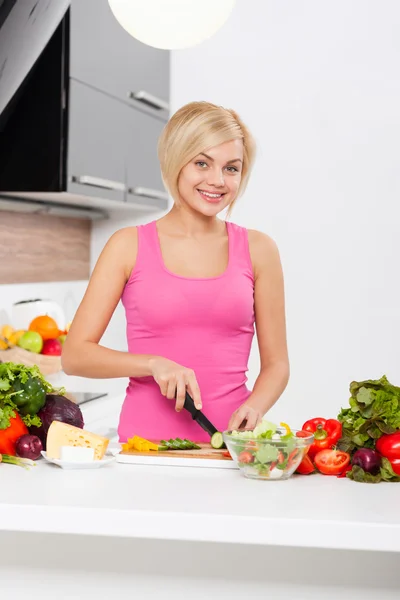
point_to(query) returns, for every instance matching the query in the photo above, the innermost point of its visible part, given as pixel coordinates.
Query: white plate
(92, 464)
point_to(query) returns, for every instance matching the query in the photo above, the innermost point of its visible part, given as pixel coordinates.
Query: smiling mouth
(211, 196)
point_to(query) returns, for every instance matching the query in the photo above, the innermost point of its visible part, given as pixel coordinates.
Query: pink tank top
(206, 324)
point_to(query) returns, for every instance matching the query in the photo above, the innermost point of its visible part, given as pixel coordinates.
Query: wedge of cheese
(62, 434)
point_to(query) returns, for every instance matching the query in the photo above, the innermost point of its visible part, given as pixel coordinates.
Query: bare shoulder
(263, 251)
(121, 248)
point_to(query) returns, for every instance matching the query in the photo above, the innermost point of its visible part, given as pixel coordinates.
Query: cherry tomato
(331, 462)
(245, 457)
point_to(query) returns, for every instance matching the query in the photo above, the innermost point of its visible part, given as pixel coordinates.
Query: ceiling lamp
(171, 24)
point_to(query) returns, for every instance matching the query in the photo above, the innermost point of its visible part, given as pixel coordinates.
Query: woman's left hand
(246, 416)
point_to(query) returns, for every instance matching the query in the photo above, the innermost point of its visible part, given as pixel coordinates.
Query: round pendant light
(171, 24)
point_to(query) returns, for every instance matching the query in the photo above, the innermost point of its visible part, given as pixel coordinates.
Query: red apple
(52, 347)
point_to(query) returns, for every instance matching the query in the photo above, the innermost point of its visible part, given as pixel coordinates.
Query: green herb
(386, 473)
(374, 410)
(31, 421)
(6, 413)
(22, 389)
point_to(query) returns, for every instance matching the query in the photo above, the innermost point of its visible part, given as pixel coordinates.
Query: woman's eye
(201, 163)
(233, 169)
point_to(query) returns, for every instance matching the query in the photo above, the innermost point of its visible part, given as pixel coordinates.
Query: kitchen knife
(198, 416)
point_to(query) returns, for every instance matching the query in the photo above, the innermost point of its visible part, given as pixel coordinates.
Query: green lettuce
(374, 410)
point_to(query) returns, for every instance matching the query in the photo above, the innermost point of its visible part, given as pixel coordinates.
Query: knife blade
(198, 416)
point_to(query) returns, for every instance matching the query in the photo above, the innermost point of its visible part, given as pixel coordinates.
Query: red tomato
(331, 462)
(251, 445)
(226, 453)
(292, 457)
(245, 457)
(306, 466)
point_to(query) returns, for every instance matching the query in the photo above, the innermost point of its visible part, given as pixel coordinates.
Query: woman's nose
(216, 178)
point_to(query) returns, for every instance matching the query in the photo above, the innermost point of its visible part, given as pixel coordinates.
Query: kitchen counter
(195, 504)
(193, 532)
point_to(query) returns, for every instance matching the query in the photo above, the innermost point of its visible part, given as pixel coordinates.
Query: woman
(192, 286)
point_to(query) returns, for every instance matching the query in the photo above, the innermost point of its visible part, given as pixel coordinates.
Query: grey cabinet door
(144, 180)
(96, 152)
(105, 56)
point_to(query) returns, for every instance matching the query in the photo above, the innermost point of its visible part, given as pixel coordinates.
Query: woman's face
(210, 182)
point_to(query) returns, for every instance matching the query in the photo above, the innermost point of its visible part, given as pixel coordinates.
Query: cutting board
(205, 457)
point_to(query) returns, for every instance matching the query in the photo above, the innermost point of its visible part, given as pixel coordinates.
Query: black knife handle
(189, 405)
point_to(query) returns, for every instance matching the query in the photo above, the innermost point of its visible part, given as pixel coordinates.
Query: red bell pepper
(389, 447)
(327, 432)
(9, 436)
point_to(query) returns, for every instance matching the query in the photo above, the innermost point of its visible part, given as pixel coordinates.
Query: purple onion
(367, 459)
(28, 446)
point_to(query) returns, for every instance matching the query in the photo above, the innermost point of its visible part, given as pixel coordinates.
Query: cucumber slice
(217, 441)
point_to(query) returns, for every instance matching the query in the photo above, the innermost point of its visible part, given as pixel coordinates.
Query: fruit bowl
(271, 459)
(48, 365)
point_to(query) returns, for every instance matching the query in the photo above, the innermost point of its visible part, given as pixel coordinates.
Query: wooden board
(205, 457)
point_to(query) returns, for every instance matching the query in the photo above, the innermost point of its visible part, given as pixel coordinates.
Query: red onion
(28, 446)
(367, 459)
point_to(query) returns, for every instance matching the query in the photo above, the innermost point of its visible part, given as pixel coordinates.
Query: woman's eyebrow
(228, 162)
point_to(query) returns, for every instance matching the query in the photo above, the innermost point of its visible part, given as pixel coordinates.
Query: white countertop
(195, 504)
(85, 384)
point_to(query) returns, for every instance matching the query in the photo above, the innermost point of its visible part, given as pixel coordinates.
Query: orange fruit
(45, 326)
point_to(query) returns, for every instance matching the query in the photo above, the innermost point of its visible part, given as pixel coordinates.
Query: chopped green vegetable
(217, 441)
(267, 454)
(374, 410)
(177, 444)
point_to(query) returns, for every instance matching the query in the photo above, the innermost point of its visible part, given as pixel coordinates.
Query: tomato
(251, 445)
(281, 458)
(306, 466)
(245, 457)
(302, 434)
(292, 457)
(227, 454)
(331, 462)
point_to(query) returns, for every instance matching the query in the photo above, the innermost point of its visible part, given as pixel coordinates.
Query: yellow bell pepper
(139, 444)
(286, 426)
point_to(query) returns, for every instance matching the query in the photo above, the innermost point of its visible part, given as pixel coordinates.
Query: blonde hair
(195, 128)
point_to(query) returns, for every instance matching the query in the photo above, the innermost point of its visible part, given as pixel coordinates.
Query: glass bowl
(271, 459)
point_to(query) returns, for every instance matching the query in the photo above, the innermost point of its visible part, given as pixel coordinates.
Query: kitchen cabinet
(112, 149)
(105, 56)
(143, 170)
(101, 145)
(96, 157)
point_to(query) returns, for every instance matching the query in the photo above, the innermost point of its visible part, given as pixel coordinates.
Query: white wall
(319, 85)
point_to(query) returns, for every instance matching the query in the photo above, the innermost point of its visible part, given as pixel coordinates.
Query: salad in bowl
(268, 451)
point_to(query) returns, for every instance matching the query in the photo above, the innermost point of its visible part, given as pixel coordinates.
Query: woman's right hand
(174, 379)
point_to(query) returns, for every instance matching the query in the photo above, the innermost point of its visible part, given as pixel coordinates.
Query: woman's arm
(82, 355)
(270, 318)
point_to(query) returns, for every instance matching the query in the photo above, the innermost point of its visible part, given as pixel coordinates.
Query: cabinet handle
(148, 193)
(149, 99)
(106, 184)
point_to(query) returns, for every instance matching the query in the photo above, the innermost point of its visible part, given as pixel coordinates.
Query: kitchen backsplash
(37, 247)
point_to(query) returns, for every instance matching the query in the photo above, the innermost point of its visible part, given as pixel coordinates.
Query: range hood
(42, 111)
